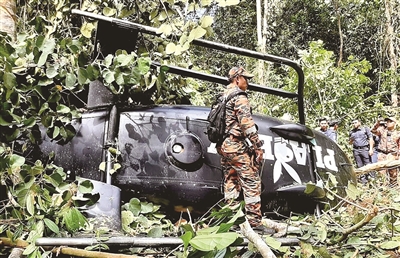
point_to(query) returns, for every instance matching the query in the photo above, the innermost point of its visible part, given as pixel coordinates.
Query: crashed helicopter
(165, 154)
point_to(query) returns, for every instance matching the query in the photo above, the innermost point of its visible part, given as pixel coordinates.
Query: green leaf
(16, 161)
(109, 76)
(207, 21)
(92, 72)
(390, 245)
(197, 33)
(10, 80)
(47, 48)
(70, 80)
(51, 225)
(3, 122)
(127, 217)
(74, 220)
(144, 65)
(30, 204)
(107, 11)
(63, 109)
(134, 206)
(352, 191)
(314, 190)
(165, 29)
(87, 29)
(186, 238)
(102, 166)
(30, 249)
(207, 231)
(82, 76)
(108, 60)
(30, 122)
(273, 243)
(208, 243)
(39, 41)
(56, 132)
(123, 59)
(51, 71)
(170, 48)
(155, 232)
(86, 186)
(146, 207)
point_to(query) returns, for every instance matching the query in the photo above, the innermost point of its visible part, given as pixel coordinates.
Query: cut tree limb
(381, 165)
(257, 241)
(68, 250)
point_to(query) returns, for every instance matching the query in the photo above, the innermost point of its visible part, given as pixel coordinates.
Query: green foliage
(41, 199)
(144, 217)
(209, 237)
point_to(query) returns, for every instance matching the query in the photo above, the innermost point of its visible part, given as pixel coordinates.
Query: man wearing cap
(388, 148)
(331, 132)
(241, 153)
(363, 143)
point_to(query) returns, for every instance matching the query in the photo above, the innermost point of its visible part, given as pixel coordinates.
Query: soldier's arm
(246, 122)
(377, 129)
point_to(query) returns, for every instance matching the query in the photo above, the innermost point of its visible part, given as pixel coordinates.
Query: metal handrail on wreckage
(222, 47)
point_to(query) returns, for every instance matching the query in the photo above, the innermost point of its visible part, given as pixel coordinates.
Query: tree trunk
(8, 17)
(336, 3)
(260, 39)
(390, 50)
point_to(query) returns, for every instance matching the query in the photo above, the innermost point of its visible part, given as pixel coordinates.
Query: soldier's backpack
(216, 117)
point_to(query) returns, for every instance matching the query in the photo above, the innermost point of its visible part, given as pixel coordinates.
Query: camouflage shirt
(389, 140)
(239, 120)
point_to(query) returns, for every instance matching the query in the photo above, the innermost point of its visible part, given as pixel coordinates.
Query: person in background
(363, 144)
(323, 125)
(331, 132)
(325, 128)
(377, 138)
(388, 148)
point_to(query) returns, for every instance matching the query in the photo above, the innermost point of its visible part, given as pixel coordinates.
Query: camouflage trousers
(240, 174)
(392, 172)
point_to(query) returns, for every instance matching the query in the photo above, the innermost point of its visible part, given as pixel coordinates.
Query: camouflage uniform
(388, 148)
(241, 172)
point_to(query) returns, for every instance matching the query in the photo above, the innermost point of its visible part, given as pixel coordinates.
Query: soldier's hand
(259, 155)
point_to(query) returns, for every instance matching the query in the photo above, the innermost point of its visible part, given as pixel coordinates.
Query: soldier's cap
(239, 71)
(391, 118)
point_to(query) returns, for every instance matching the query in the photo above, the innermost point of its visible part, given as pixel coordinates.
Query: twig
(370, 215)
(349, 202)
(254, 238)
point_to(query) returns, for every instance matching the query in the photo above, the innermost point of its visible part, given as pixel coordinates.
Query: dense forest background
(348, 49)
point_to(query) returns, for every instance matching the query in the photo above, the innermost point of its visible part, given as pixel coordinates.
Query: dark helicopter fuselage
(166, 156)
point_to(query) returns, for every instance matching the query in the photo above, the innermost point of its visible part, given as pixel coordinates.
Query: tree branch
(67, 250)
(370, 215)
(254, 238)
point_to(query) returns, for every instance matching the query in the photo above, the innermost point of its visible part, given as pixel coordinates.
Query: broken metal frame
(222, 47)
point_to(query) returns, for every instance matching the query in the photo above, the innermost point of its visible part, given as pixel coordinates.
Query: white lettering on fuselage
(284, 151)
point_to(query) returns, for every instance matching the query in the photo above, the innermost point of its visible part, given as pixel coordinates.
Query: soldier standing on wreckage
(241, 153)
